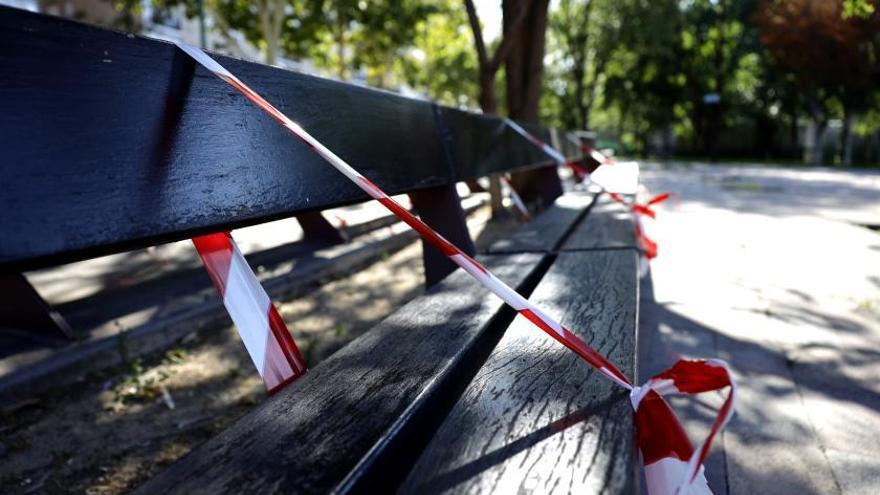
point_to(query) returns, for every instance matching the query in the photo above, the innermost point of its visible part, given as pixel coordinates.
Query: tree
(488, 66)
(585, 34)
(832, 49)
(525, 25)
(644, 85)
(488, 69)
(442, 61)
(369, 35)
(277, 27)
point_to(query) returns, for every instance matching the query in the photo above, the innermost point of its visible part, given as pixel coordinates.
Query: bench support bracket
(542, 185)
(23, 309)
(440, 207)
(316, 228)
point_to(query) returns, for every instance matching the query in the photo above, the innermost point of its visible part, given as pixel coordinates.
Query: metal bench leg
(25, 310)
(440, 207)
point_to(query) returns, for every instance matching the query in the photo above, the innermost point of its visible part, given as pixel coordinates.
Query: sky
(21, 4)
(489, 12)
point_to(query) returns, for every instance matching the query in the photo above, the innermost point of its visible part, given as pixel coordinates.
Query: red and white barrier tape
(269, 343)
(646, 244)
(544, 322)
(550, 150)
(669, 460)
(517, 200)
(576, 169)
(586, 149)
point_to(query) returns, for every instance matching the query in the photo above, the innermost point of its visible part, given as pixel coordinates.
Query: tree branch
(492, 66)
(478, 33)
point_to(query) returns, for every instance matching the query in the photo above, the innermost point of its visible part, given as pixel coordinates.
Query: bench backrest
(113, 142)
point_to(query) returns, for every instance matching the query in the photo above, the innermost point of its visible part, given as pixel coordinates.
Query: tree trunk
(489, 67)
(583, 111)
(820, 122)
(496, 200)
(271, 14)
(488, 101)
(525, 75)
(525, 65)
(818, 138)
(847, 136)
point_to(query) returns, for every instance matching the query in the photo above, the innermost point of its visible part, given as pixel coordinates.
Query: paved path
(769, 269)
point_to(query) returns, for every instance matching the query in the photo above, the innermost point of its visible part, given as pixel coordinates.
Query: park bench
(118, 142)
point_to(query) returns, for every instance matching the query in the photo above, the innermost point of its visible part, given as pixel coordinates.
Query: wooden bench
(452, 393)
(123, 143)
(118, 142)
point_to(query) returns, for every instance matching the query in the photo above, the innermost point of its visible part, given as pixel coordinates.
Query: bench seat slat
(609, 224)
(536, 418)
(551, 225)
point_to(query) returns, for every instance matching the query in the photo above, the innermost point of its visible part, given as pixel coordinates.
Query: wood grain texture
(537, 419)
(486, 145)
(607, 225)
(114, 141)
(546, 232)
(310, 436)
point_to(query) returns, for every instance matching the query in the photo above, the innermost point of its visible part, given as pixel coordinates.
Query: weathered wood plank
(389, 386)
(607, 225)
(122, 142)
(547, 231)
(536, 419)
(481, 146)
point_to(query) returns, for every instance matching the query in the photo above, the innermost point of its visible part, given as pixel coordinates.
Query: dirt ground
(120, 427)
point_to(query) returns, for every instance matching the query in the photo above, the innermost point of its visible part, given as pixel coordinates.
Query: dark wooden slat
(105, 130)
(607, 225)
(486, 145)
(118, 141)
(311, 435)
(535, 418)
(547, 230)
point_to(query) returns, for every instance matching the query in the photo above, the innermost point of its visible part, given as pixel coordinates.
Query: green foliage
(443, 63)
(368, 35)
(632, 69)
(666, 56)
(857, 8)
(582, 39)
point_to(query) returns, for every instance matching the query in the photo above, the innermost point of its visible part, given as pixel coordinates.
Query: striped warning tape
(586, 149)
(269, 343)
(647, 245)
(540, 319)
(669, 460)
(516, 199)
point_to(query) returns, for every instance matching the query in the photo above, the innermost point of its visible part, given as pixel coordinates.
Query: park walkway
(770, 269)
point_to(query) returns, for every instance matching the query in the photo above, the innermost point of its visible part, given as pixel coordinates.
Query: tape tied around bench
(265, 336)
(668, 472)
